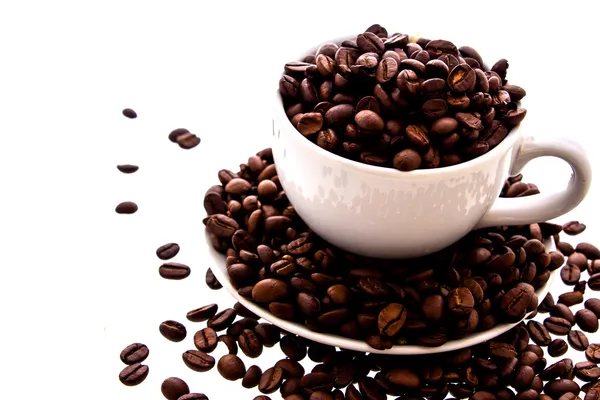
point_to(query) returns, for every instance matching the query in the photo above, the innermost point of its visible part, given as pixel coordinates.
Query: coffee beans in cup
(399, 101)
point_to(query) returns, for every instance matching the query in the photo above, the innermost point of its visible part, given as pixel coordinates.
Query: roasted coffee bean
(126, 207)
(203, 313)
(317, 381)
(250, 344)
(129, 113)
(592, 353)
(562, 311)
(407, 160)
(231, 367)
(174, 271)
(587, 371)
(271, 380)
(167, 251)
(133, 374)
(176, 133)
(222, 320)
(127, 168)
(571, 298)
(229, 341)
(198, 360)
(291, 368)
(292, 347)
(252, 377)
(461, 301)
(391, 319)
(206, 340)
(193, 396)
(515, 303)
(134, 353)
(573, 228)
(587, 320)
(188, 140)
(594, 282)
(557, 348)
(557, 388)
(578, 340)
(593, 305)
(558, 326)
(539, 333)
(570, 274)
(211, 280)
(269, 334)
(269, 290)
(173, 388)
(173, 330)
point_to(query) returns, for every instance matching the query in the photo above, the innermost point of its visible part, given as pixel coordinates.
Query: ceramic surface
(216, 262)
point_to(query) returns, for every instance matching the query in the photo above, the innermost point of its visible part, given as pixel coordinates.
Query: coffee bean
(188, 141)
(222, 320)
(391, 319)
(570, 274)
(594, 267)
(292, 347)
(515, 303)
(174, 271)
(594, 282)
(461, 301)
(593, 305)
(587, 371)
(173, 330)
(193, 396)
(407, 160)
(317, 381)
(557, 388)
(571, 298)
(592, 353)
(270, 380)
(127, 168)
(436, 48)
(129, 113)
(403, 377)
(573, 228)
(539, 333)
(558, 326)
(462, 78)
(211, 280)
(221, 225)
(126, 207)
(562, 311)
(269, 290)
(206, 340)
(444, 126)
(133, 374)
(203, 313)
(578, 260)
(250, 344)
(231, 367)
(557, 348)
(310, 123)
(134, 353)
(587, 320)
(167, 251)
(173, 388)
(369, 42)
(577, 340)
(252, 377)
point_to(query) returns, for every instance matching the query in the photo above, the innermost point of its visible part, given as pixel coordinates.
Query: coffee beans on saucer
(273, 258)
(400, 101)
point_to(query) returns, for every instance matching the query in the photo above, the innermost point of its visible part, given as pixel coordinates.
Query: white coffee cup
(386, 213)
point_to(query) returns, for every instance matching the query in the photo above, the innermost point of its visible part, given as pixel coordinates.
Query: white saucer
(216, 262)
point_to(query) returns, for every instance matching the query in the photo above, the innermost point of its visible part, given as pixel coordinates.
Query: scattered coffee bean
(570, 274)
(539, 333)
(250, 344)
(270, 380)
(578, 340)
(206, 340)
(594, 282)
(126, 207)
(571, 298)
(211, 280)
(173, 330)
(557, 348)
(587, 320)
(193, 396)
(573, 228)
(557, 388)
(176, 133)
(562, 311)
(203, 313)
(188, 140)
(587, 371)
(252, 377)
(167, 251)
(593, 305)
(134, 353)
(198, 360)
(222, 320)
(129, 113)
(133, 374)
(127, 168)
(173, 388)
(292, 347)
(592, 353)
(174, 271)
(558, 326)
(231, 367)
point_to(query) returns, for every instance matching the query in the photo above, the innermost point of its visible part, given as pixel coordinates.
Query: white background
(80, 282)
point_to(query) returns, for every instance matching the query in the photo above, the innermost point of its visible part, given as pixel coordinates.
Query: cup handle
(543, 207)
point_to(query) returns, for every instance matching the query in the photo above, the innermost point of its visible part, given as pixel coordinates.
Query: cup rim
(476, 162)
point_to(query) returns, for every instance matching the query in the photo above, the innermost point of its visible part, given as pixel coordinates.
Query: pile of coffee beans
(401, 102)
(516, 365)
(274, 259)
